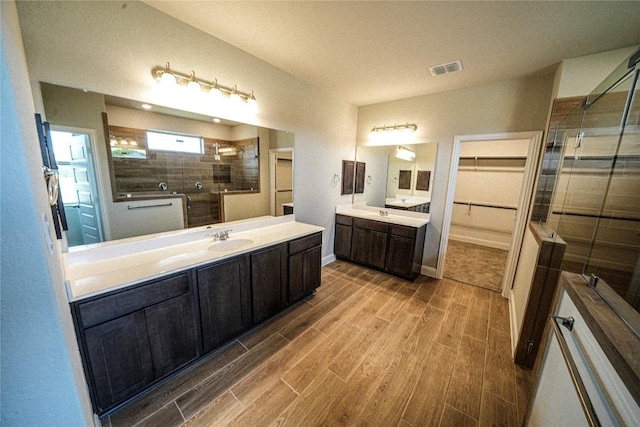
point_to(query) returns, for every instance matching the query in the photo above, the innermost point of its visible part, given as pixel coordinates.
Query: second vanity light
(165, 75)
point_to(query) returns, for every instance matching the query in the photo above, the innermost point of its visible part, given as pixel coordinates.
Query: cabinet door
(119, 359)
(378, 255)
(304, 273)
(400, 255)
(268, 281)
(369, 247)
(342, 241)
(171, 326)
(225, 301)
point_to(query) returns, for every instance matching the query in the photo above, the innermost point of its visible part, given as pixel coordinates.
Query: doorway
(489, 196)
(281, 181)
(78, 185)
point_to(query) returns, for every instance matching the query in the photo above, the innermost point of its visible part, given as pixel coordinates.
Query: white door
(281, 180)
(78, 186)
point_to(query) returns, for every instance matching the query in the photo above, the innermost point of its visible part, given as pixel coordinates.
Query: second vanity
(384, 239)
(146, 308)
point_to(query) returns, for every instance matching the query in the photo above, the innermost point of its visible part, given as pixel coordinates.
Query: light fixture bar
(396, 127)
(184, 79)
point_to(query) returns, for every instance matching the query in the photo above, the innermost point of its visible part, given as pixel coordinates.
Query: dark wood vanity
(393, 248)
(133, 338)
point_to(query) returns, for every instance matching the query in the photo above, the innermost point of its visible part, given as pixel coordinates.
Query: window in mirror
(166, 141)
(404, 180)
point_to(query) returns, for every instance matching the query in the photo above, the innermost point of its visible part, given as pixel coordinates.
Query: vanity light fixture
(395, 128)
(405, 153)
(166, 74)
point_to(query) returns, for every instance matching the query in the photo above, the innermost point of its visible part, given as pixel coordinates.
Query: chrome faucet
(384, 213)
(221, 235)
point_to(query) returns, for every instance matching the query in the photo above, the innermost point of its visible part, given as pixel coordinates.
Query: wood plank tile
(453, 417)
(369, 308)
(219, 412)
(308, 319)
(465, 388)
(354, 351)
(267, 407)
(425, 332)
(358, 391)
(263, 377)
(308, 368)
(385, 349)
(386, 406)
(427, 400)
(199, 396)
(329, 322)
(443, 294)
(522, 391)
(397, 302)
(478, 316)
(168, 416)
(499, 376)
(166, 392)
(453, 325)
(313, 403)
(499, 314)
(497, 412)
(271, 326)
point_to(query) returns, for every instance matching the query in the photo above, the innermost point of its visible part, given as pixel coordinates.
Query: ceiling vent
(448, 68)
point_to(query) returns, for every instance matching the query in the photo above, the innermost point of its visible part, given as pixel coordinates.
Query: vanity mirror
(150, 169)
(398, 177)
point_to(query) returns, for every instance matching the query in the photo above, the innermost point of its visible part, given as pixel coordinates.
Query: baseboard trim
(328, 259)
(481, 242)
(429, 271)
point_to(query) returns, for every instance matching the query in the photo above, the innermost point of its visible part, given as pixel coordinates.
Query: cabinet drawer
(305, 243)
(399, 230)
(344, 220)
(370, 225)
(113, 306)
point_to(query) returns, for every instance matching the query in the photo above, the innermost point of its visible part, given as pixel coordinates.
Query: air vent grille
(448, 68)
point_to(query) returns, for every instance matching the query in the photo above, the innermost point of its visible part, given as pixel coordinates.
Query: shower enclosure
(589, 189)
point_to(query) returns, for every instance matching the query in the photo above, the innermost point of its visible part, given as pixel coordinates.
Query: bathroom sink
(230, 245)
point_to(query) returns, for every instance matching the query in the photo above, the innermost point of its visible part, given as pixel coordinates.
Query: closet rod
(485, 205)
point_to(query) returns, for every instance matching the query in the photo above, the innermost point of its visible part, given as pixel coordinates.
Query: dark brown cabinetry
(369, 242)
(305, 259)
(269, 281)
(225, 301)
(392, 248)
(134, 337)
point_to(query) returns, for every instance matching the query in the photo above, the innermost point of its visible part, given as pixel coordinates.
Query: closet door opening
(490, 191)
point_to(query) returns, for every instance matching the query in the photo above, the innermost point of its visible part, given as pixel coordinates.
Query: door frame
(525, 200)
(272, 175)
(97, 168)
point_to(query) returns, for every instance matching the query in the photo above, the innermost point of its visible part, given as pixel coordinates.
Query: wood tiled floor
(367, 349)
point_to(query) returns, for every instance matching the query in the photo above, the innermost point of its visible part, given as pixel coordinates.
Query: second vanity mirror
(398, 176)
(136, 169)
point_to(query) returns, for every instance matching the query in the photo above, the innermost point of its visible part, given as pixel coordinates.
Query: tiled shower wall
(181, 172)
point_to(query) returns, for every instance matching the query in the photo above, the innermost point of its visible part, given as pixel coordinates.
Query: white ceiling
(373, 51)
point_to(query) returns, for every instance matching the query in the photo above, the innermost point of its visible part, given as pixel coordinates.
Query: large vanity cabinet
(134, 337)
(393, 248)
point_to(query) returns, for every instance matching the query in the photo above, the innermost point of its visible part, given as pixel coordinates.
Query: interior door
(283, 180)
(78, 186)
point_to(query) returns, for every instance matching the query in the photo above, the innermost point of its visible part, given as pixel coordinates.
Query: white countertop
(407, 202)
(105, 267)
(400, 217)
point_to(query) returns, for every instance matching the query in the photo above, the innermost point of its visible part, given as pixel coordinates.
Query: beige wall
(509, 106)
